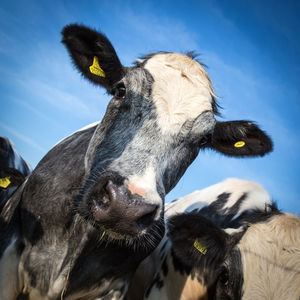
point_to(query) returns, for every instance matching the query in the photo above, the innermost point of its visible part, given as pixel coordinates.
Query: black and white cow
(92, 209)
(13, 170)
(227, 241)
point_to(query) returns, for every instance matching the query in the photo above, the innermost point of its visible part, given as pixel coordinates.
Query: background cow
(93, 207)
(13, 170)
(230, 243)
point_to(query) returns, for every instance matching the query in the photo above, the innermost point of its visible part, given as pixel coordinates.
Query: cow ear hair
(93, 55)
(197, 242)
(10, 177)
(240, 139)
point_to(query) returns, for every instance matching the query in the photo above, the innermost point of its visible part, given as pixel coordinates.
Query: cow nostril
(147, 219)
(103, 198)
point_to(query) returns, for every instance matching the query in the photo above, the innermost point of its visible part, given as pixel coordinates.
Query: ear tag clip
(239, 144)
(200, 247)
(96, 69)
(5, 182)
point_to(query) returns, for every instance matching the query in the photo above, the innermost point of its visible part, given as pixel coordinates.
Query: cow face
(260, 262)
(161, 114)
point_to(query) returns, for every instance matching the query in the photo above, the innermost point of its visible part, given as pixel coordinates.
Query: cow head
(161, 114)
(258, 262)
(13, 170)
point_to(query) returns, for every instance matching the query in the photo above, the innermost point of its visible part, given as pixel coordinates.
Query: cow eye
(120, 92)
(224, 277)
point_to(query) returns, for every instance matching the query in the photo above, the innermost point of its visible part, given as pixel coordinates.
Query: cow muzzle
(114, 208)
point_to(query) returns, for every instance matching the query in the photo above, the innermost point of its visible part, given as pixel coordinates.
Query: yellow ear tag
(96, 69)
(239, 144)
(4, 182)
(200, 247)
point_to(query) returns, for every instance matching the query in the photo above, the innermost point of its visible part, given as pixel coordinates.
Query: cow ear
(240, 138)
(197, 242)
(93, 55)
(10, 177)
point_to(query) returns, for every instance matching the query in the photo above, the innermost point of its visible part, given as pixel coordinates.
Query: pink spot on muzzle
(136, 190)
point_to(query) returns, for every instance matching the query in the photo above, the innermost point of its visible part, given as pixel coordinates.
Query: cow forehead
(181, 90)
(270, 253)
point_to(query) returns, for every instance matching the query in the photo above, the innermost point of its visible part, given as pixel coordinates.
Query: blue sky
(252, 49)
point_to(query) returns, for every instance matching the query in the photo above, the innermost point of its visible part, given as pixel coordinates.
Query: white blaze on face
(271, 259)
(181, 90)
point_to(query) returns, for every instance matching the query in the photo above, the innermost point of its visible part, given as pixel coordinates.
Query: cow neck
(66, 277)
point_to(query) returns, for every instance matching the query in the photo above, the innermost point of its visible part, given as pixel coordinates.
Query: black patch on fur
(256, 216)
(32, 230)
(226, 217)
(226, 134)
(123, 289)
(23, 297)
(157, 282)
(229, 279)
(179, 266)
(216, 206)
(165, 268)
(223, 217)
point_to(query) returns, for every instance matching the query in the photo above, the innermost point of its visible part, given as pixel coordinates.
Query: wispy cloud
(23, 138)
(147, 28)
(36, 111)
(168, 31)
(50, 78)
(56, 97)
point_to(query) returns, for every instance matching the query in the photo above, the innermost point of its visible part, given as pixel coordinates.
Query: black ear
(197, 242)
(10, 177)
(93, 54)
(240, 138)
